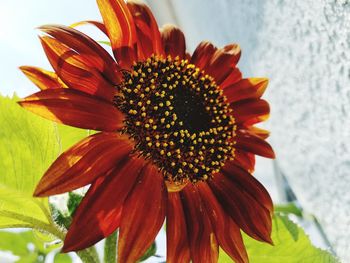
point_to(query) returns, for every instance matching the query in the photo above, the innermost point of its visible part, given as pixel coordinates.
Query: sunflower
(176, 140)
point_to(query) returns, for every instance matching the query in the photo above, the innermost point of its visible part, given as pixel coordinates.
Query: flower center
(178, 118)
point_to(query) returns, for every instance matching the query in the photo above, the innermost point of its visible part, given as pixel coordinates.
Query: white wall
(303, 47)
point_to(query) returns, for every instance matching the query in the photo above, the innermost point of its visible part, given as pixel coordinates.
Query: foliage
(289, 208)
(291, 245)
(29, 247)
(28, 146)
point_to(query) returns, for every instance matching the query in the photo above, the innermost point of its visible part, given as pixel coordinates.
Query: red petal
(72, 69)
(120, 28)
(222, 61)
(248, 213)
(218, 63)
(233, 77)
(174, 42)
(245, 160)
(250, 111)
(252, 88)
(90, 158)
(248, 183)
(74, 108)
(99, 213)
(254, 144)
(92, 53)
(176, 231)
(203, 244)
(148, 36)
(97, 24)
(43, 79)
(143, 215)
(226, 231)
(203, 54)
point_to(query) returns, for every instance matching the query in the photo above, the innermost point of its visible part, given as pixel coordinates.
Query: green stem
(111, 248)
(89, 255)
(35, 223)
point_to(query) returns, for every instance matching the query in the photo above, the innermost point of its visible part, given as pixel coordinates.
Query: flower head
(176, 139)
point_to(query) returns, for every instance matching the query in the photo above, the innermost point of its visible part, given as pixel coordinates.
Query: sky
(19, 43)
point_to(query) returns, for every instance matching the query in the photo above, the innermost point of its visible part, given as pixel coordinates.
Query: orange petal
(250, 111)
(176, 231)
(72, 69)
(42, 78)
(174, 42)
(254, 144)
(233, 76)
(92, 53)
(148, 37)
(245, 160)
(222, 61)
(120, 28)
(97, 24)
(90, 158)
(203, 54)
(203, 244)
(99, 213)
(226, 231)
(264, 134)
(252, 88)
(247, 212)
(74, 108)
(143, 215)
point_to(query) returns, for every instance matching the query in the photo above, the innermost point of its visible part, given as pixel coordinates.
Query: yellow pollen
(178, 117)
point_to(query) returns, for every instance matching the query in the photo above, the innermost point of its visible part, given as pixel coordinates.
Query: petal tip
(66, 248)
(23, 68)
(264, 82)
(272, 154)
(38, 192)
(270, 241)
(71, 245)
(20, 103)
(43, 28)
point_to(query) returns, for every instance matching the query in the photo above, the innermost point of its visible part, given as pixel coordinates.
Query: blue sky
(19, 43)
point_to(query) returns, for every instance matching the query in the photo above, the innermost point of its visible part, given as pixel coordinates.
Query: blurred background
(302, 46)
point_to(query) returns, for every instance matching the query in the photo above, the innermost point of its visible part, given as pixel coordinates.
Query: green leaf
(18, 243)
(62, 258)
(68, 136)
(73, 202)
(288, 208)
(28, 145)
(31, 258)
(15, 242)
(291, 227)
(291, 245)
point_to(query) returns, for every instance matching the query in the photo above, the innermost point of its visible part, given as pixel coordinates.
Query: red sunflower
(176, 139)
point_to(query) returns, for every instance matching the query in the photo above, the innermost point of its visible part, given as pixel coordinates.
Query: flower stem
(88, 255)
(111, 248)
